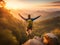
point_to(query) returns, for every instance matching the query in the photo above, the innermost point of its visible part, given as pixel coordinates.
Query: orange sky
(29, 5)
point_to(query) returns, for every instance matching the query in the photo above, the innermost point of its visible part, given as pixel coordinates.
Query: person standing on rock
(30, 23)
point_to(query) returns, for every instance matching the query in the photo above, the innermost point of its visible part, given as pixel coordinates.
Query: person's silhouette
(30, 23)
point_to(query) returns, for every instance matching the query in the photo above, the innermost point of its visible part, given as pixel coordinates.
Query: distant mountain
(47, 25)
(47, 14)
(12, 30)
(53, 14)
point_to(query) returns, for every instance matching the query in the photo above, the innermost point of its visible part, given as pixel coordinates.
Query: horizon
(31, 4)
(25, 7)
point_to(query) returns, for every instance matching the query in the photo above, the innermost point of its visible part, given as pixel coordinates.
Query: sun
(15, 5)
(9, 6)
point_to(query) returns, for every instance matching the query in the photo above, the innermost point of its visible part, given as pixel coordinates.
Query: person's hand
(39, 15)
(19, 14)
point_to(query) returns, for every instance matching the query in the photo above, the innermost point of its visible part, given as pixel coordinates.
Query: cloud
(52, 4)
(57, 3)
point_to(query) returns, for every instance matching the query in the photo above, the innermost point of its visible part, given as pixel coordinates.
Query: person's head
(29, 16)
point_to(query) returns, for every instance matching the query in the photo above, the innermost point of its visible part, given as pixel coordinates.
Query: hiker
(50, 39)
(30, 23)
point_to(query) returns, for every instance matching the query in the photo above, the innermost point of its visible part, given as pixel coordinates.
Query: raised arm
(22, 17)
(36, 18)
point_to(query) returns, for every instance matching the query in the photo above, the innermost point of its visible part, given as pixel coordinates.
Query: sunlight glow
(15, 5)
(25, 5)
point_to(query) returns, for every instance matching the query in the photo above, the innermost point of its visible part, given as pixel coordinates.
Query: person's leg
(30, 31)
(27, 31)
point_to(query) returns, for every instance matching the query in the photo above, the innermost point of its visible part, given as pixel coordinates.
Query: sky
(36, 1)
(31, 5)
(27, 4)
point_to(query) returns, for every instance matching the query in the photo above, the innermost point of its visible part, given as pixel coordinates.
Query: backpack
(30, 22)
